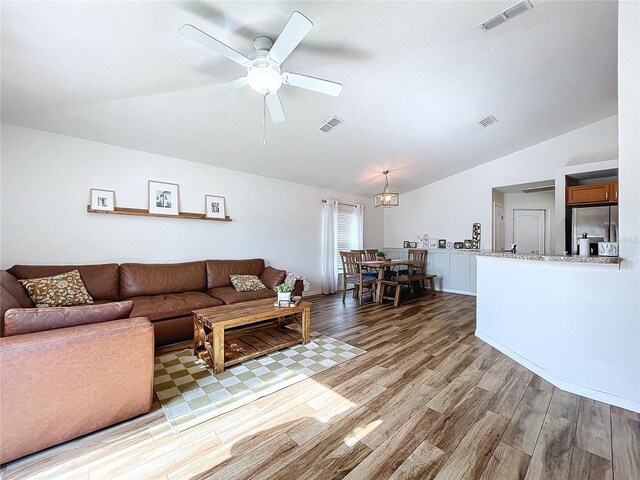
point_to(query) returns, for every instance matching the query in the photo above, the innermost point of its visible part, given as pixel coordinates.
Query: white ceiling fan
(264, 73)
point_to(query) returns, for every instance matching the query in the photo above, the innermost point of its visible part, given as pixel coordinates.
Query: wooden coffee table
(230, 334)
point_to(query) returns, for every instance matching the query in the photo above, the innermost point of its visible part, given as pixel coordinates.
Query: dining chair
(371, 254)
(418, 259)
(353, 274)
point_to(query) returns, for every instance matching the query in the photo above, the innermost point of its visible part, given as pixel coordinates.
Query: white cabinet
(459, 272)
(438, 264)
(456, 270)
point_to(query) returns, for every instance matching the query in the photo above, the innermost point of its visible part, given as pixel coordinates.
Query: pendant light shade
(386, 199)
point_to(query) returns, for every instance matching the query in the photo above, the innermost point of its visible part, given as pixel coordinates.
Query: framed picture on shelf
(412, 244)
(214, 206)
(405, 244)
(458, 245)
(442, 243)
(163, 198)
(468, 244)
(103, 200)
(433, 243)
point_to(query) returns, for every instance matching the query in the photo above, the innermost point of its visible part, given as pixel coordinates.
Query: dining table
(382, 265)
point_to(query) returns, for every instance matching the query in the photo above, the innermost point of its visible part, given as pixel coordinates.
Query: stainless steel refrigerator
(595, 221)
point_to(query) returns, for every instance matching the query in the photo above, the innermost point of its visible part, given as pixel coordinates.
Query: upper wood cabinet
(595, 193)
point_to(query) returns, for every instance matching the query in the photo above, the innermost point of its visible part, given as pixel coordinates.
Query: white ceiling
(417, 78)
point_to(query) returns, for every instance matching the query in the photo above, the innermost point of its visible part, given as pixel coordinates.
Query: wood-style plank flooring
(428, 400)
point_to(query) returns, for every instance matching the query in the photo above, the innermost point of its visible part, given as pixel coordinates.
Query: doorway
(498, 227)
(529, 230)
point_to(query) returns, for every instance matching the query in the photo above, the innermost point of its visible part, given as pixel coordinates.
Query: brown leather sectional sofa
(59, 383)
(164, 293)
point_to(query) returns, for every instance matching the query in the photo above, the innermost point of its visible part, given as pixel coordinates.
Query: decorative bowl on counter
(608, 249)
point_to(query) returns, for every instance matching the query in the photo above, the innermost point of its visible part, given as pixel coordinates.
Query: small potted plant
(380, 255)
(284, 292)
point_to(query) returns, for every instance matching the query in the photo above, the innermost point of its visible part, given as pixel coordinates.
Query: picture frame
(103, 200)
(442, 243)
(423, 239)
(433, 243)
(405, 244)
(468, 244)
(164, 198)
(214, 206)
(458, 245)
(413, 244)
(476, 235)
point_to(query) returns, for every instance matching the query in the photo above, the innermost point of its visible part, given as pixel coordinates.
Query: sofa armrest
(60, 384)
(20, 321)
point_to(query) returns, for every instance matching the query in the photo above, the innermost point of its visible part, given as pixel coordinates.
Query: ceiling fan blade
(224, 89)
(275, 107)
(292, 34)
(312, 83)
(217, 46)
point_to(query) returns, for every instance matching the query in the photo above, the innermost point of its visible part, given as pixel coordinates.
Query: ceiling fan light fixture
(386, 199)
(264, 79)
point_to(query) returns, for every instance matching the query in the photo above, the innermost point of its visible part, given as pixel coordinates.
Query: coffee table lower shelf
(247, 343)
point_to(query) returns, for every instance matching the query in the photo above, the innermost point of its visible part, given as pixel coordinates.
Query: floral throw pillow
(246, 283)
(62, 290)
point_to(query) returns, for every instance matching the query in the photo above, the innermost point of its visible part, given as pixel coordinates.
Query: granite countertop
(550, 258)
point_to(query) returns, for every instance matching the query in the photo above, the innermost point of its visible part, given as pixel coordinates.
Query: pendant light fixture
(386, 199)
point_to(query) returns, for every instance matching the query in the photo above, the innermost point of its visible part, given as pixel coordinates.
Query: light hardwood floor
(428, 400)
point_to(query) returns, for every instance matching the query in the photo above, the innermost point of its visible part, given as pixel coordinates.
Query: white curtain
(358, 227)
(329, 246)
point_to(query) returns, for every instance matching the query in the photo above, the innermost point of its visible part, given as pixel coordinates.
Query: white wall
(45, 190)
(588, 343)
(537, 200)
(449, 207)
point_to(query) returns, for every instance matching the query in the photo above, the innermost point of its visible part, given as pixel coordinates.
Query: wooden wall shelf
(140, 212)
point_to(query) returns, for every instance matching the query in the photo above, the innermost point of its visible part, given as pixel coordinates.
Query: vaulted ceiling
(417, 78)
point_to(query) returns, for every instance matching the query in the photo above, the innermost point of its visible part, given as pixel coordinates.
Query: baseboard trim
(461, 292)
(558, 382)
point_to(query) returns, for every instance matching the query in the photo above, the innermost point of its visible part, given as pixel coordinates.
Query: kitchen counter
(594, 259)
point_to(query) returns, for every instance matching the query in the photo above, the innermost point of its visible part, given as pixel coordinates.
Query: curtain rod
(348, 204)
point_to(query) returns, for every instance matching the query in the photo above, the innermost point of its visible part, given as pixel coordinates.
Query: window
(346, 231)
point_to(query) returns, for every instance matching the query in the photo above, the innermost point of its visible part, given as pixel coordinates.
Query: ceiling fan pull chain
(264, 119)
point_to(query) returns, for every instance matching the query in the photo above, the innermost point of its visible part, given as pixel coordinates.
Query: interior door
(529, 230)
(498, 227)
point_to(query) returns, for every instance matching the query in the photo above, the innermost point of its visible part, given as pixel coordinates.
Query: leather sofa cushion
(160, 307)
(272, 277)
(28, 320)
(7, 302)
(139, 279)
(231, 295)
(219, 271)
(102, 281)
(17, 291)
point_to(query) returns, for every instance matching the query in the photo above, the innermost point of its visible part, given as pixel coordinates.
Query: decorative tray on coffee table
(287, 303)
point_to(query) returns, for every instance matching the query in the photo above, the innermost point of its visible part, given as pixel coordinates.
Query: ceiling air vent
(506, 14)
(331, 124)
(490, 120)
(544, 188)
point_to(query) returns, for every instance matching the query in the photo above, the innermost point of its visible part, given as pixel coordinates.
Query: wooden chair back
(361, 252)
(351, 262)
(370, 254)
(419, 259)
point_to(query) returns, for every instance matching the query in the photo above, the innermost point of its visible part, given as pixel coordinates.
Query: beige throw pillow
(246, 283)
(62, 290)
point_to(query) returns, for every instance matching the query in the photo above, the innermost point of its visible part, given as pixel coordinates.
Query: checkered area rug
(190, 393)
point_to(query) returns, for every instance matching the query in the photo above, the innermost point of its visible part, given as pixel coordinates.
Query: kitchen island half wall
(564, 321)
